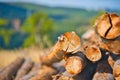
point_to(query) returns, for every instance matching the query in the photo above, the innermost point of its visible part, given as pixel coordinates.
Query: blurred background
(30, 26)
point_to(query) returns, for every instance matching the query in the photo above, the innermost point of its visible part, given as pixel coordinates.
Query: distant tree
(39, 29)
(6, 34)
(3, 22)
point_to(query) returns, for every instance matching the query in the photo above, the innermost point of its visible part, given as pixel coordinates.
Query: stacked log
(25, 68)
(9, 72)
(67, 43)
(96, 58)
(76, 63)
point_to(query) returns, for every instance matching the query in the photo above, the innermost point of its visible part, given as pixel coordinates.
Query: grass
(8, 56)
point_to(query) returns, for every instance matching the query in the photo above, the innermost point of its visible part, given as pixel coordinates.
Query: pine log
(76, 63)
(11, 70)
(67, 43)
(45, 73)
(33, 72)
(93, 53)
(116, 68)
(103, 71)
(25, 68)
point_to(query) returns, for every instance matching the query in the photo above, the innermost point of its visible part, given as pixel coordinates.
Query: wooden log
(93, 53)
(25, 68)
(10, 71)
(67, 43)
(103, 71)
(76, 63)
(45, 73)
(108, 28)
(116, 68)
(33, 72)
(87, 72)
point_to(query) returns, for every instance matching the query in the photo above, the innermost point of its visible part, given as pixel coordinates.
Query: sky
(89, 4)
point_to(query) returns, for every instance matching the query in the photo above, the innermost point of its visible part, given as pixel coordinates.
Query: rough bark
(25, 68)
(11, 70)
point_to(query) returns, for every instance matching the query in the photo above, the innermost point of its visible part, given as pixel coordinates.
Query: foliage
(37, 26)
(6, 34)
(3, 22)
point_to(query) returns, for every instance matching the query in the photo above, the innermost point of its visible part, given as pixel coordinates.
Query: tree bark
(10, 71)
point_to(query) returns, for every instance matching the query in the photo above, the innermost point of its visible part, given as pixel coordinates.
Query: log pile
(94, 56)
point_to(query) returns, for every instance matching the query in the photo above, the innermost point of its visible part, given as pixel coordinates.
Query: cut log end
(74, 65)
(107, 26)
(93, 53)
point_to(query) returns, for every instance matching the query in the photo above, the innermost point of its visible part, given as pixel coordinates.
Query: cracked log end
(108, 26)
(74, 65)
(69, 41)
(93, 53)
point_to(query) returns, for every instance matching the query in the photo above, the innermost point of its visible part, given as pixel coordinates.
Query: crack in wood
(110, 25)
